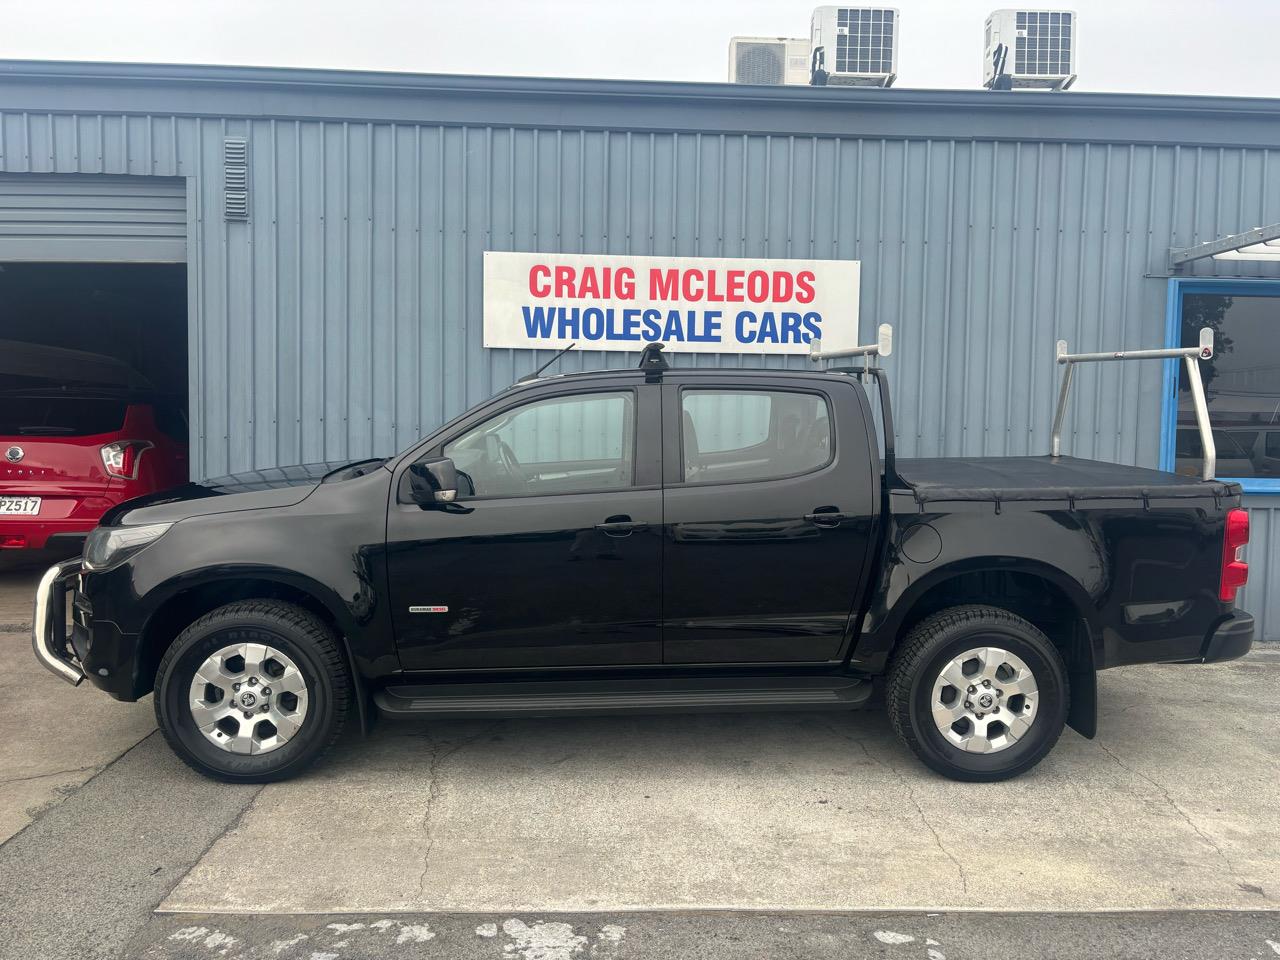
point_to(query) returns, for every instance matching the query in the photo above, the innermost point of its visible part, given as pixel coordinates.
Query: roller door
(73, 218)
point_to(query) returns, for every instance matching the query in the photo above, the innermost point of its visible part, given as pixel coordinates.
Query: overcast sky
(1159, 46)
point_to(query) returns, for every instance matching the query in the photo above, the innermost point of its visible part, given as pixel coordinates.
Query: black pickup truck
(654, 539)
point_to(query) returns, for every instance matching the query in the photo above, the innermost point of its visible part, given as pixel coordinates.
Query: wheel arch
(187, 603)
(1040, 593)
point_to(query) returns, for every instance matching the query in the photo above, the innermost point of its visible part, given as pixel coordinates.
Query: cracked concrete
(1168, 798)
(437, 760)
(911, 796)
(1175, 808)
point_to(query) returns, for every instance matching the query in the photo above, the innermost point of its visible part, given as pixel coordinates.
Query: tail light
(1235, 572)
(122, 457)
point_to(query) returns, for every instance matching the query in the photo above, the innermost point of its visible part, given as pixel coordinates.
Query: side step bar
(599, 697)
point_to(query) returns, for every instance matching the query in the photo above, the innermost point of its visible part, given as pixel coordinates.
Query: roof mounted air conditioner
(1030, 50)
(854, 46)
(772, 61)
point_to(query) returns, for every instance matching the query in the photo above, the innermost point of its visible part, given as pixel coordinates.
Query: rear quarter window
(60, 416)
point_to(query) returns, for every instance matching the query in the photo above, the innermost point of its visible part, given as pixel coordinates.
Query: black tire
(927, 650)
(295, 632)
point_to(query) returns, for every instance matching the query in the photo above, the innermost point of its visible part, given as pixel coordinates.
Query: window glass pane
(1241, 382)
(728, 421)
(59, 416)
(559, 445)
(735, 435)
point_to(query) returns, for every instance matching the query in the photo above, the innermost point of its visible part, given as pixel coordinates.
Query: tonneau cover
(1047, 478)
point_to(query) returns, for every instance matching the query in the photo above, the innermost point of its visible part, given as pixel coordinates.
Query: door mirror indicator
(433, 482)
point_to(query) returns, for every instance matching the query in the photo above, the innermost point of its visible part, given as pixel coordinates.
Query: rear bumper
(1230, 640)
(35, 534)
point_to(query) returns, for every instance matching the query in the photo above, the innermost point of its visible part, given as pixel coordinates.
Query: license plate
(25, 506)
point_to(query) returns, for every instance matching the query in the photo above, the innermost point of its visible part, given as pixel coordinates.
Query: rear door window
(60, 416)
(731, 436)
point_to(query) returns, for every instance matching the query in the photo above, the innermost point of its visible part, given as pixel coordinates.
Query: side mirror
(433, 482)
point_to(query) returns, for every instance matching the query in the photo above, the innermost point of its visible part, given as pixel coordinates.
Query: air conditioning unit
(854, 46)
(1030, 50)
(773, 61)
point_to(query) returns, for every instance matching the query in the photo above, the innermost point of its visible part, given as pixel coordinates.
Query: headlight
(107, 546)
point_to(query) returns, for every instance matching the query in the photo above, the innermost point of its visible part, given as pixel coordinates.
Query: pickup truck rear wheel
(255, 691)
(977, 693)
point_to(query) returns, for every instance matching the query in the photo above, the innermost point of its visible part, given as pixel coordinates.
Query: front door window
(576, 444)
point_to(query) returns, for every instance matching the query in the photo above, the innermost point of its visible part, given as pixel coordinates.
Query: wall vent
(235, 178)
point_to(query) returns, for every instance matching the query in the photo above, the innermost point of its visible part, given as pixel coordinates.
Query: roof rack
(1190, 355)
(651, 357)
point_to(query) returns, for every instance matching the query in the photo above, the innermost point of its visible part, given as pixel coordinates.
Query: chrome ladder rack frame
(1190, 355)
(881, 348)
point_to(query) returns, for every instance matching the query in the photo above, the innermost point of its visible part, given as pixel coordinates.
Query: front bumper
(49, 636)
(1230, 640)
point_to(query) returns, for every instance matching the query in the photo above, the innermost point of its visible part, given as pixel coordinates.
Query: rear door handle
(620, 526)
(828, 517)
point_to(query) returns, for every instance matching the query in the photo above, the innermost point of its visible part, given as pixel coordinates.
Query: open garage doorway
(93, 396)
(132, 312)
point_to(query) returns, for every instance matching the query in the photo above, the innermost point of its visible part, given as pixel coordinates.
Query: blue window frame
(1179, 289)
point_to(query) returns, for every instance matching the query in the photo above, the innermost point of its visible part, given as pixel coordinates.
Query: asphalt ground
(723, 936)
(733, 836)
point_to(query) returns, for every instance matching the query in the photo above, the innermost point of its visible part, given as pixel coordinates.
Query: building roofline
(306, 93)
(385, 81)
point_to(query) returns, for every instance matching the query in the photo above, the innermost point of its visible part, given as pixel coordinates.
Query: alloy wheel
(984, 700)
(248, 698)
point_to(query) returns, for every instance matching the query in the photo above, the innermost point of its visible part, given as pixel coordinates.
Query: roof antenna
(651, 358)
(537, 373)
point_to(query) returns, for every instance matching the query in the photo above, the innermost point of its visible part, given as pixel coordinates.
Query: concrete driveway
(1173, 808)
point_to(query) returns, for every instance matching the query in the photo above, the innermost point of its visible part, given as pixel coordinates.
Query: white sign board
(692, 304)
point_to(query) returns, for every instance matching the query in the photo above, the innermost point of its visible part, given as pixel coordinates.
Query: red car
(69, 453)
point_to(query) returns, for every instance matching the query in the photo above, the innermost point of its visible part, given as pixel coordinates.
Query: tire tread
(917, 648)
(289, 616)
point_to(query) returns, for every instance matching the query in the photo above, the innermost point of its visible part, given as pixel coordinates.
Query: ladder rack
(1190, 355)
(881, 348)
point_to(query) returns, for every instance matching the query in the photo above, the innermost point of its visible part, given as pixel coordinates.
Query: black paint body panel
(746, 578)
(727, 577)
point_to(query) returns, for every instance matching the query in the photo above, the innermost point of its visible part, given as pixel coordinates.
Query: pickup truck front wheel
(254, 691)
(978, 693)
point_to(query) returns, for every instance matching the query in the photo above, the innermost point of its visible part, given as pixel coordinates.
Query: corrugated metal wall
(1261, 596)
(343, 319)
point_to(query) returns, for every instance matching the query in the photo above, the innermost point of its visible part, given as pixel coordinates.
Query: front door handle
(828, 517)
(620, 525)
